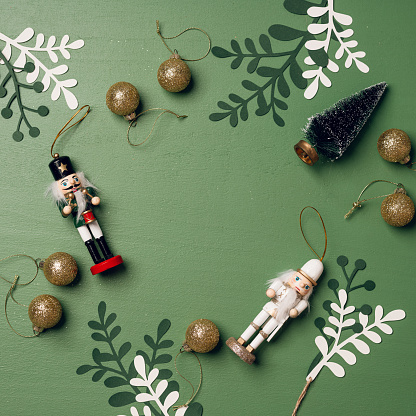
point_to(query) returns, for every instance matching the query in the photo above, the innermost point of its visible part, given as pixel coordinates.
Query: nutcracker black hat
(60, 167)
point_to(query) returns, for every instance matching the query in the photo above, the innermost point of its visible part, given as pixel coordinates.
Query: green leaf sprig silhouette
(7, 112)
(111, 363)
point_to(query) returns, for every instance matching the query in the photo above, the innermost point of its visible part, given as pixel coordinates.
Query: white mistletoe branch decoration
(50, 73)
(315, 45)
(359, 344)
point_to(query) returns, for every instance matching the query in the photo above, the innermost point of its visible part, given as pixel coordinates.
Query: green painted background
(204, 214)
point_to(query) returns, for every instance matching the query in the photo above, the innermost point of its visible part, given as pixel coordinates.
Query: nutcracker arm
(301, 306)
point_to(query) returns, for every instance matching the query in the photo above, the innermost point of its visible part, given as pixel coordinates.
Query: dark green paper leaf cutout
(122, 398)
(275, 83)
(194, 409)
(285, 33)
(118, 375)
(11, 81)
(298, 6)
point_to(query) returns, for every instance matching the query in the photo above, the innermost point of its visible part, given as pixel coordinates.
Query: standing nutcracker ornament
(289, 294)
(75, 196)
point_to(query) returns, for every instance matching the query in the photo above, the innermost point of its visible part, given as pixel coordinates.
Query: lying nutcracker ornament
(289, 294)
(76, 196)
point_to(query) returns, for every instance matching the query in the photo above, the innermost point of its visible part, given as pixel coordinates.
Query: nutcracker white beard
(291, 299)
(80, 198)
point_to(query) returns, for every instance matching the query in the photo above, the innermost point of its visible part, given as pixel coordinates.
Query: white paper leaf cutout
(181, 411)
(348, 356)
(361, 346)
(70, 98)
(344, 19)
(386, 328)
(140, 366)
(349, 309)
(378, 313)
(321, 344)
(334, 321)
(32, 76)
(144, 397)
(56, 92)
(335, 308)
(171, 399)
(316, 28)
(138, 382)
(336, 369)
(161, 387)
(312, 89)
(134, 411)
(342, 296)
(363, 319)
(147, 411)
(76, 45)
(153, 376)
(373, 336)
(349, 322)
(26, 35)
(40, 38)
(395, 315)
(317, 11)
(330, 332)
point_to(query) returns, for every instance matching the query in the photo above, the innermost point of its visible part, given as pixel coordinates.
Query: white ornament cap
(312, 270)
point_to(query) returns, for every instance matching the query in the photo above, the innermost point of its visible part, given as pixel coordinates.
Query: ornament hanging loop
(65, 128)
(194, 393)
(10, 292)
(183, 31)
(134, 122)
(357, 204)
(303, 234)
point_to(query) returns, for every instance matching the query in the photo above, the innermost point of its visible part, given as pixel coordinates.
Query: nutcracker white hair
(57, 195)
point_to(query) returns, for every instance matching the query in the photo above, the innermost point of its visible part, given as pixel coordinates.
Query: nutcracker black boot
(104, 248)
(93, 252)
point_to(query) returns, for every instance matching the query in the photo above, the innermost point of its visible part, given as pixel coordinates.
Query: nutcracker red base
(106, 265)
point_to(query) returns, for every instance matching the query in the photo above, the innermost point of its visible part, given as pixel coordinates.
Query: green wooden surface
(204, 213)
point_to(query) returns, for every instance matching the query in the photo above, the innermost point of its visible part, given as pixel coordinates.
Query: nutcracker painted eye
(297, 278)
(75, 178)
(307, 287)
(64, 184)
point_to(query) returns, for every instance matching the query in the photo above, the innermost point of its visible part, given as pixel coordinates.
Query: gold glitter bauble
(174, 74)
(45, 311)
(60, 268)
(123, 99)
(394, 146)
(202, 336)
(397, 209)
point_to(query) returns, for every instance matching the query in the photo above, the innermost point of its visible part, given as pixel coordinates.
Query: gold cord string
(64, 128)
(410, 164)
(134, 122)
(302, 395)
(323, 225)
(358, 202)
(183, 31)
(194, 393)
(10, 292)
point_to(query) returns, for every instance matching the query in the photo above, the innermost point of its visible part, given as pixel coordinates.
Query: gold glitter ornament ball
(60, 268)
(398, 209)
(122, 99)
(45, 311)
(201, 336)
(174, 74)
(394, 146)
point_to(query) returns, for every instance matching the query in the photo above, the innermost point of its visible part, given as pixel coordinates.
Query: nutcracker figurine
(289, 294)
(75, 195)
